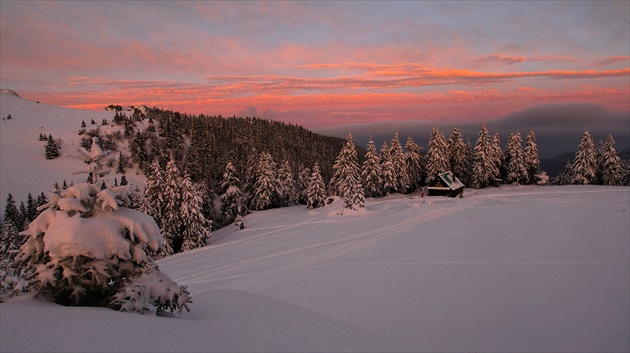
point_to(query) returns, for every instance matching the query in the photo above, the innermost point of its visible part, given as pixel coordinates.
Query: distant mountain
(554, 166)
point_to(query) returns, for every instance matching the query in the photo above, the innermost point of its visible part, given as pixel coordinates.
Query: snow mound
(9, 92)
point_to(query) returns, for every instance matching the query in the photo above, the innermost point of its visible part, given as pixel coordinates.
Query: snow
(23, 166)
(520, 268)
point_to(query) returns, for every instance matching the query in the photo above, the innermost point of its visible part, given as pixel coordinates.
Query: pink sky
(320, 64)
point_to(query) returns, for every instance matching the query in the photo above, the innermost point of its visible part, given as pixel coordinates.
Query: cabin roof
(449, 180)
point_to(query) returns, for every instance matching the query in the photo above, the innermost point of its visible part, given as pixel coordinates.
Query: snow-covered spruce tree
(11, 212)
(232, 200)
(599, 165)
(153, 202)
(611, 163)
(530, 158)
(265, 188)
(457, 154)
(195, 228)
(470, 157)
(10, 241)
(565, 177)
(286, 181)
(387, 170)
(437, 155)
(51, 150)
(516, 172)
(584, 164)
(347, 177)
(303, 181)
(400, 168)
(371, 172)
(497, 155)
(172, 201)
(316, 190)
(95, 160)
(484, 167)
(413, 163)
(87, 248)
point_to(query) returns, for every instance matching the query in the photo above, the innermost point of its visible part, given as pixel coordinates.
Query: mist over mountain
(558, 127)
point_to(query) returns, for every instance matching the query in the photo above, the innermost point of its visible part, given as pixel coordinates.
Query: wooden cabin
(445, 184)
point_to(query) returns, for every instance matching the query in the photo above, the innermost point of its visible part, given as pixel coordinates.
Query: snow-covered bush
(88, 248)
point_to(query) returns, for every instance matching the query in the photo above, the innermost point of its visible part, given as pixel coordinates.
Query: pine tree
(232, 200)
(83, 124)
(103, 186)
(612, 169)
(10, 240)
(470, 157)
(286, 181)
(457, 155)
(516, 172)
(121, 164)
(566, 176)
(195, 227)
(110, 266)
(153, 200)
(347, 177)
(497, 155)
(51, 149)
(413, 163)
(316, 190)
(303, 181)
(90, 178)
(400, 168)
(265, 188)
(484, 168)
(387, 170)
(599, 163)
(371, 172)
(11, 212)
(171, 217)
(584, 164)
(530, 158)
(31, 208)
(437, 155)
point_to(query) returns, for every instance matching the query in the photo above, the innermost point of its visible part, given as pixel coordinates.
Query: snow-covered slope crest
(23, 166)
(9, 92)
(533, 269)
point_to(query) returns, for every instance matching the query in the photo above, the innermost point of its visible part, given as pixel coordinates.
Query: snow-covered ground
(23, 166)
(510, 269)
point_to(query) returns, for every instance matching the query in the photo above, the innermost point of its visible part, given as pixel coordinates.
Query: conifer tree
(530, 158)
(11, 212)
(153, 200)
(484, 167)
(470, 157)
(516, 172)
(123, 180)
(371, 172)
(10, 240)
(599, 163)
(497, 155)
(265, 188)
(612, 169)
(437, 155)
(387, 170)
(347, 177)
(121, 164)
(232, 200)
(303, 181)
(584, 164)
(171, 217)
(51, 149)
(286, 181)
(400, 167)
(316, 190)
(31, 208)
(195, 227)
(457, 155)
(413, 163)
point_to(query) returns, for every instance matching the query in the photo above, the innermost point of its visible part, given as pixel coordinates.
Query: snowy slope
(23, 166)
(510, 269)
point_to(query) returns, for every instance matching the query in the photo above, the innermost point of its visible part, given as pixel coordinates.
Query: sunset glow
(320, 64)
